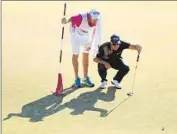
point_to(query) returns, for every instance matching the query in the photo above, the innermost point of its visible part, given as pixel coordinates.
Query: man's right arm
(98, 56)
(98, 59)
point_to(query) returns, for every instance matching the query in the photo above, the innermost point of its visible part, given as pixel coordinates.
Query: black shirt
(106, 54)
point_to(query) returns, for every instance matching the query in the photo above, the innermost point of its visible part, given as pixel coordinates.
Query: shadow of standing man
(42, 107)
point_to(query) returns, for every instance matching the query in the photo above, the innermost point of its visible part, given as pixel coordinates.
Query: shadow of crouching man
(86, 101)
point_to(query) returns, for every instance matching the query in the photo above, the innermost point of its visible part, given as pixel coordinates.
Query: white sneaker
(116, 84)
(103, 84)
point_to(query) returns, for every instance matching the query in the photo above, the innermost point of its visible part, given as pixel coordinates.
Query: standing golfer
(109, 56)
(85, 31)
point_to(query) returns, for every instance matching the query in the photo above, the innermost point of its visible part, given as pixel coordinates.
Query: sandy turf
(31, 34)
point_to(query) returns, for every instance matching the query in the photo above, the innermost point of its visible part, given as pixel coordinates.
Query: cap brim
(119, 42)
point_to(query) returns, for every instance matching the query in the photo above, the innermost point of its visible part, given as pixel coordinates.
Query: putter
(131, 93)
(118, 105)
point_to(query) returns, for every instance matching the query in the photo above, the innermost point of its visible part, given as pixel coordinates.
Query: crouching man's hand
(138, 48)
(107, 65)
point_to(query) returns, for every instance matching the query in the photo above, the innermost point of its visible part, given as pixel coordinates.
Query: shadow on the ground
(52, 104)
(43, 107)
(87, 100)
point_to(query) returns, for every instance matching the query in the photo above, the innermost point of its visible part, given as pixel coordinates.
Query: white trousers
(79, 40)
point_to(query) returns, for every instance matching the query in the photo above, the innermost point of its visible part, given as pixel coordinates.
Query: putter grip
(138, 58)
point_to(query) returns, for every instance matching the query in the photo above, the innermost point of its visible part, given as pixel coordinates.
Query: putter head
(104, 115)
(130, 93)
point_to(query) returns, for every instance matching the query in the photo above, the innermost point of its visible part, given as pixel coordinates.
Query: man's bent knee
(126, 69)
(101, 67)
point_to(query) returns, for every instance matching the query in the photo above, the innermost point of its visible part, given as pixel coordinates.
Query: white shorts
(79, 41)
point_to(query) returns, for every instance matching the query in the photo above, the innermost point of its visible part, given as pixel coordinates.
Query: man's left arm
(97, 35)
(135, 47)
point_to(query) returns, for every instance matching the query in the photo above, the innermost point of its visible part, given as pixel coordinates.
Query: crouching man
(109, 56)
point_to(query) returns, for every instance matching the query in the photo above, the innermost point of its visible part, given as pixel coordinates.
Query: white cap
(95, 14)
